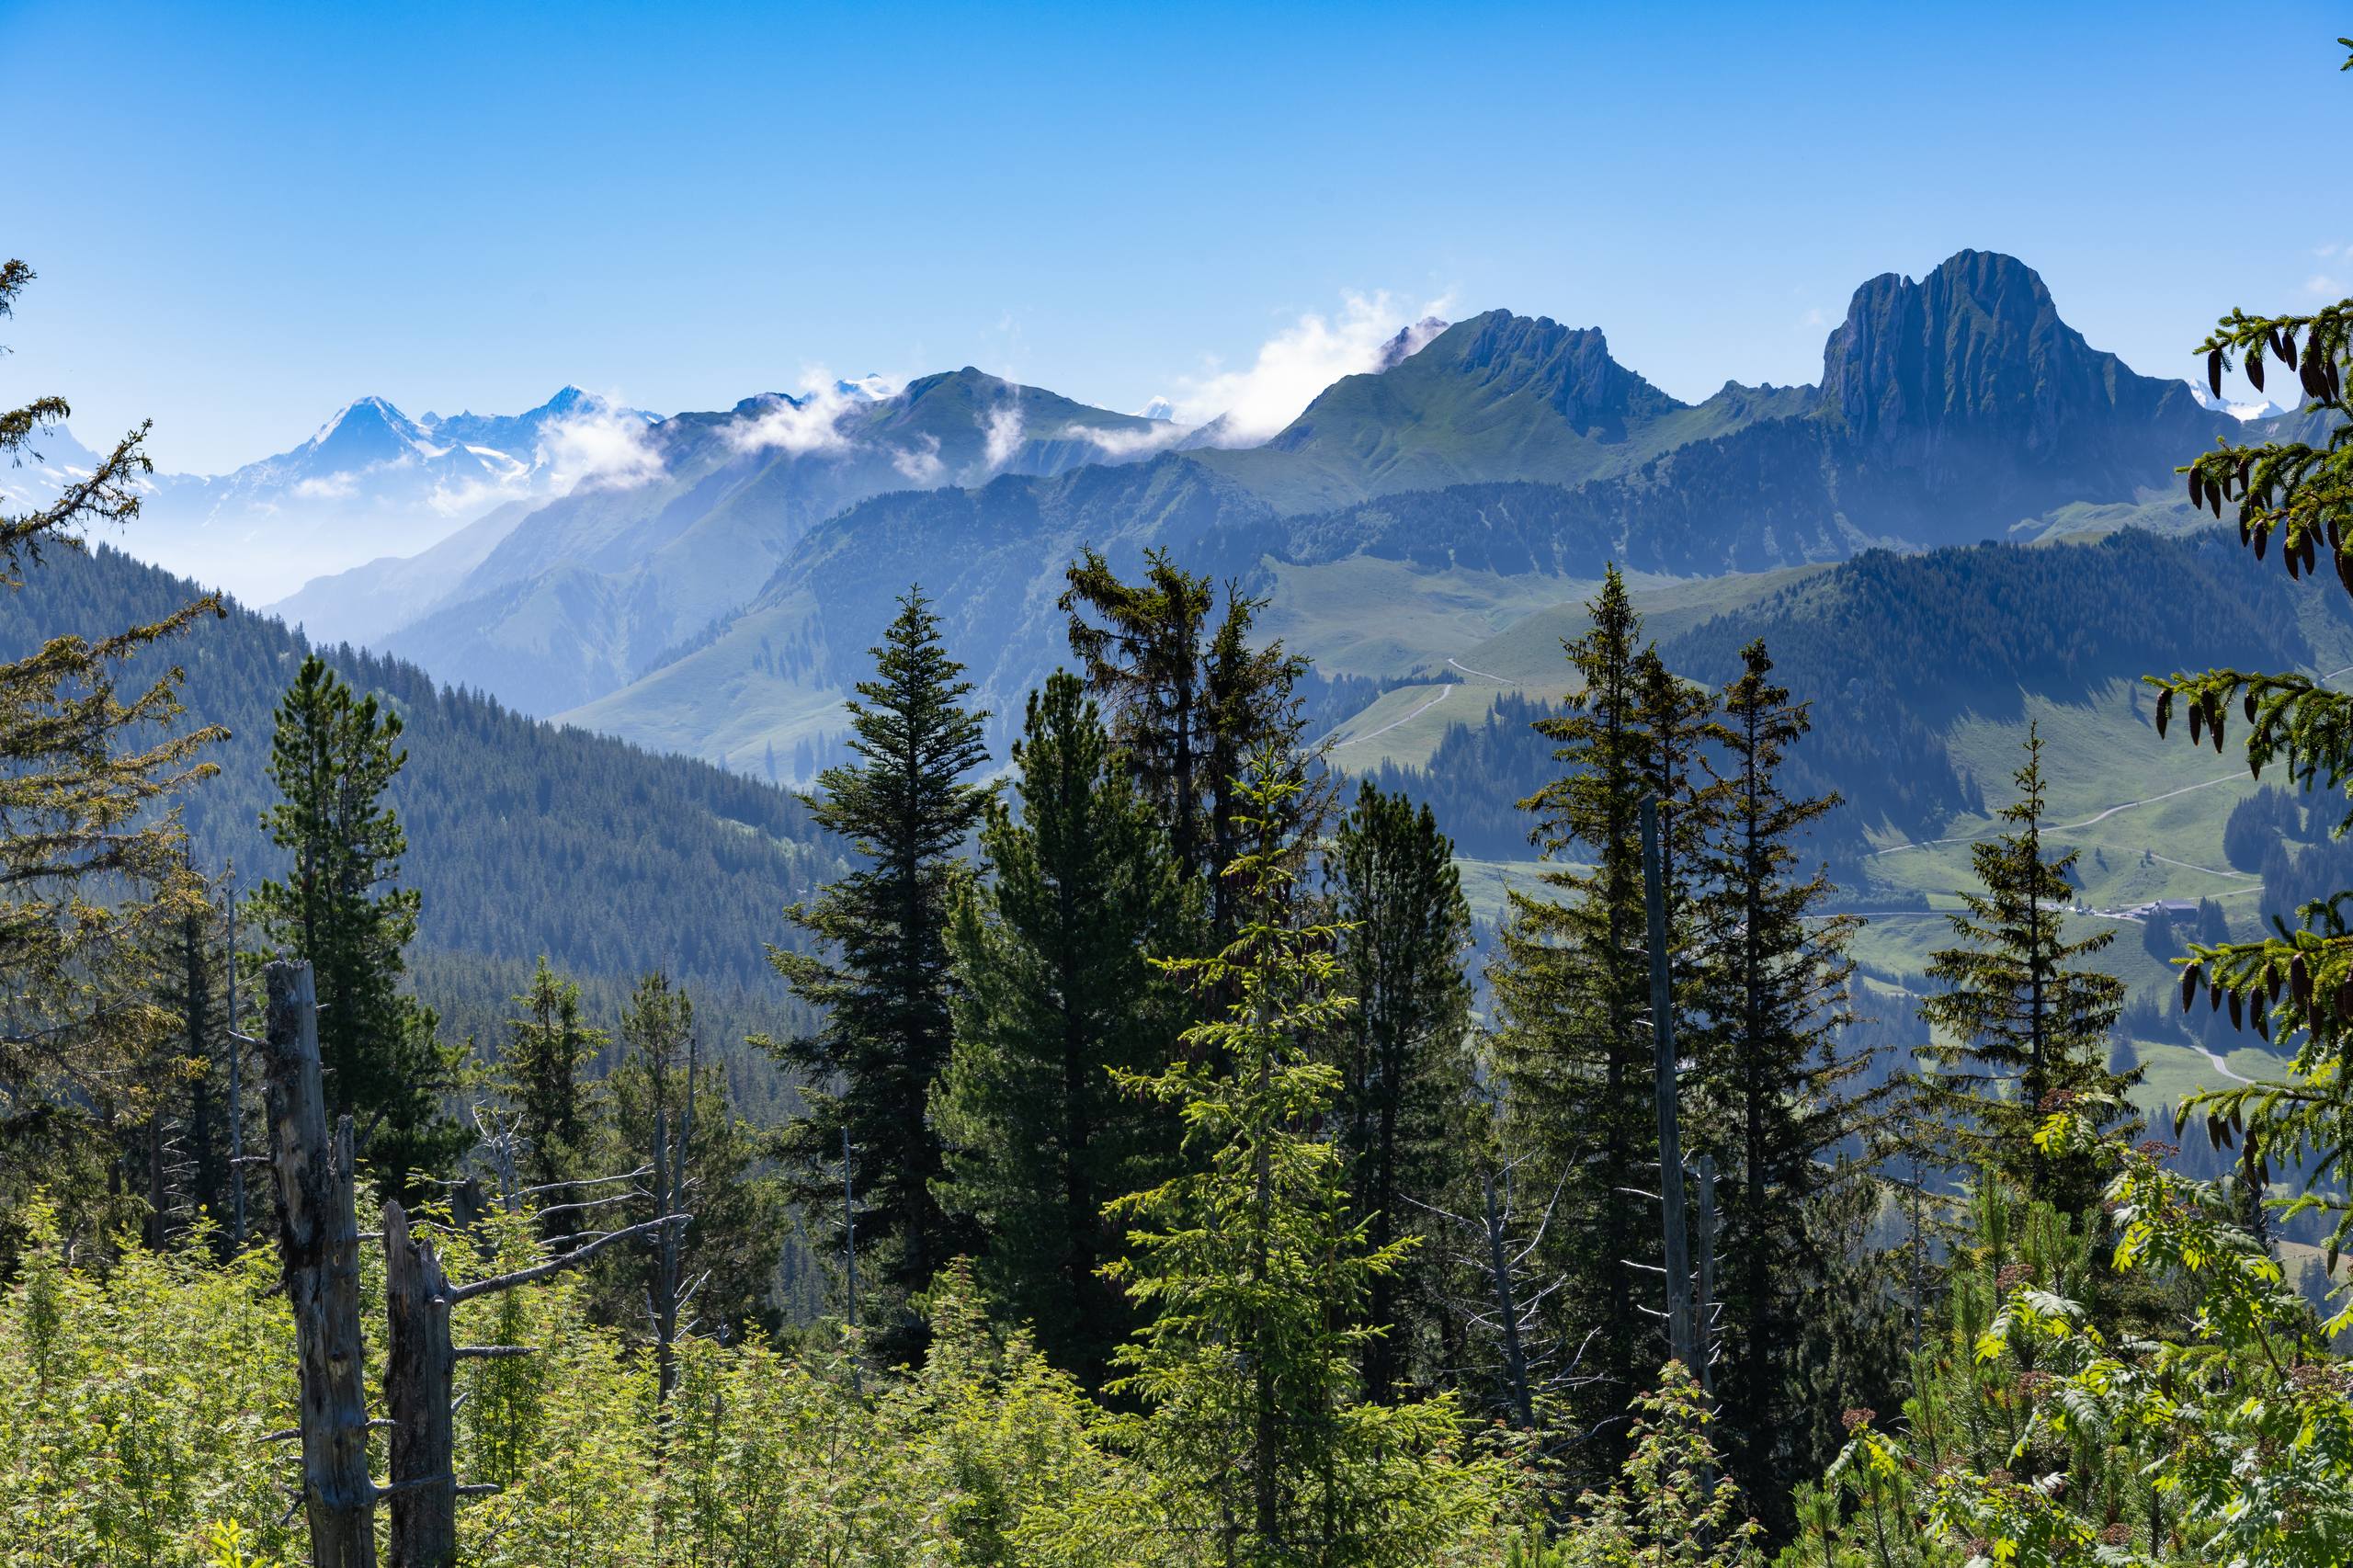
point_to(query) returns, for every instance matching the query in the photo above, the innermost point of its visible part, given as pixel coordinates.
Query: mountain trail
(1408, 719)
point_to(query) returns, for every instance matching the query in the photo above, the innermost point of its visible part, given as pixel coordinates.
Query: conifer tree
(870, 1066)
(1056, 991)
(539, 1075)
(1145, 659)
(92, 874)
(1186, 715)
(333, 759)
(179, 1152)
(1249, 1269)
(666, 1110)
(2019, 1021)
(1779, 1095)
(1572, 987)
(1404, 1119)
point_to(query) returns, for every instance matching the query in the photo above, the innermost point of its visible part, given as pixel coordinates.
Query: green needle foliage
(871, 1065)
(334, 758)
(1779, 1097)
(538, 1076)
(1056, 994)
(93, 878)
(2021, 1021)
(1253, 1273)
(1572, 988)
(1405, 1104)
(2295, 497)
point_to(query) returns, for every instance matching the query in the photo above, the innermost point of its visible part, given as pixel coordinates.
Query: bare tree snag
(319, 1241)
(419, 1373)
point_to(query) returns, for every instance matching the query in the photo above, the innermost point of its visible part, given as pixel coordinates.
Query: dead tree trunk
(420, 1372)
(319, 1240)
(420, 1377)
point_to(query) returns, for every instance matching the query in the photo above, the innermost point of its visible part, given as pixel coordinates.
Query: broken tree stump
(319, 1241)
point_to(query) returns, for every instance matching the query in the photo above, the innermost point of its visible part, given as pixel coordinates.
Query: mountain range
(1407, 515)
(707, 583)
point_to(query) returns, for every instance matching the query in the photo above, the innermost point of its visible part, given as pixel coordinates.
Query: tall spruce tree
(885, 988)
(2019, 1021)
(1250, 1270)
(1570, 979)
(1056, 993)
(1139, 644)
(92, 869)
(334, 758)
(1404, 1117)
(1778, 1099)
(1187, 714)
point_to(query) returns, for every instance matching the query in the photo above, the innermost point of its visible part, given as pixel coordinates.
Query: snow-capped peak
(1158, 408)
(2243, 413)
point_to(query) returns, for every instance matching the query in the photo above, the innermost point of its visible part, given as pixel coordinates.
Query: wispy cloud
(1815, 319)
(608, 449)
(1127, 442)
(1294, 365)
(1004, 435)
(327, 487)
(921, 466)
(808, 424)
(2322, 284)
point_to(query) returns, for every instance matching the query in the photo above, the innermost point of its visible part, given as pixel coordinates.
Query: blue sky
(246, 217)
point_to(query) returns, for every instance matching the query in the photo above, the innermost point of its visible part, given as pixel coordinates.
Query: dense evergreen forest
(1115, 1159)
(526, 837)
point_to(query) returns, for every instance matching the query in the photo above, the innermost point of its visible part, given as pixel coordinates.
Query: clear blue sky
(246, 217)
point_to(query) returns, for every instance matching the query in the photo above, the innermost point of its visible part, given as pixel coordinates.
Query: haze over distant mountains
(709, 583)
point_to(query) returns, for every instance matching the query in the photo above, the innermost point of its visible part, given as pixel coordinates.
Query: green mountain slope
(586, 592)
(525, 837)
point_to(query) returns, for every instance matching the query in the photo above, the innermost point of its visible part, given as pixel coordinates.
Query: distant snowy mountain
(2245, 413)
(372, 482)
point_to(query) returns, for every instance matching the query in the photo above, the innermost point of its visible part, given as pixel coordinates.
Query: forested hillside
(523, 837)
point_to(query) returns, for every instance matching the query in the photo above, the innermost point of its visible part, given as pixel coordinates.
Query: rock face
(1976, 348)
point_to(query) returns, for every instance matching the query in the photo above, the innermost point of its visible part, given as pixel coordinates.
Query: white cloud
(811, 424)
(1815, 318)
(328, 487)
(612, 450)
(1127, 442)
(2324, 252)
(922, 467)
(1004, 435)
(1294, 366)
(2321, 283)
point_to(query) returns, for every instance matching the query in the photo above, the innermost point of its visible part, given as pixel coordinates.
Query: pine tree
(1404, 1106)
(2018, 1022)
(1056, 991)
(870, 1067)
(92, 870)
(333, 759)
(1249, 1266)
(538, 1076)
(1572, 987)
(1778, 1099)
